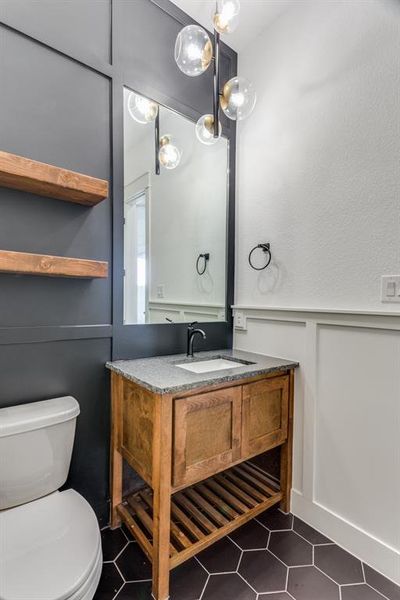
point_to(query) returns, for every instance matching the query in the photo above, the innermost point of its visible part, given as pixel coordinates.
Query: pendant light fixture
(194, 54)
(144, 111)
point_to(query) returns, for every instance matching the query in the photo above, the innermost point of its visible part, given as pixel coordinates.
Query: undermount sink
(214, 364)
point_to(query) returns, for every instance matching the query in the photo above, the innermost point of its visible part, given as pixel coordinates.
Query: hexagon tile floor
(273, 557)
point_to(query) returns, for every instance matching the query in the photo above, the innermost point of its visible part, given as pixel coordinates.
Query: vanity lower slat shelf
(203, 513)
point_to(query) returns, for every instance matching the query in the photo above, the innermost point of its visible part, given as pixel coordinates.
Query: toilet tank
(36, 443)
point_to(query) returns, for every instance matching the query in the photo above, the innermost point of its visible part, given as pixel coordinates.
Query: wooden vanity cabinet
(207, 434)
(192, 449)
(265, 414)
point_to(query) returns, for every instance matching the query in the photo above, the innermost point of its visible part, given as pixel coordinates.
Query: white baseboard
(366, 547)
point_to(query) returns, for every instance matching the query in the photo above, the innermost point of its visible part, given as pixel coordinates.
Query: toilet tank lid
(36, 415)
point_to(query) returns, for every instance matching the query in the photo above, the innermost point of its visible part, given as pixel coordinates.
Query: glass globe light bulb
(238, 98)
(142, 109)
(226, 16)
(169, 155)
(205, 130)
(193, 50)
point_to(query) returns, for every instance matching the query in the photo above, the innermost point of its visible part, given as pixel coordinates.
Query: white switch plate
(239, 320)
(390, 288)
(160, 290)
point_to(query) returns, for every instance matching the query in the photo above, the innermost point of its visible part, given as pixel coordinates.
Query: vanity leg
(162, 456)
(287, 452)
(115, 456)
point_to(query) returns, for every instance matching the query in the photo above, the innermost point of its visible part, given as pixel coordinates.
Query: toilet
(50, 545)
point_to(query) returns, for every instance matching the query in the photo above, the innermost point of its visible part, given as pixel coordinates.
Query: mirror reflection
(175, 217)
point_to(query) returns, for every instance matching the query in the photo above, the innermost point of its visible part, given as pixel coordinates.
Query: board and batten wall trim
(347, 421)
(57, 334)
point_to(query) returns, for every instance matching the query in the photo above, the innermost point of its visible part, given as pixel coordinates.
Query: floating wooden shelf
(51, 266)
(202, 513)
(39, 178)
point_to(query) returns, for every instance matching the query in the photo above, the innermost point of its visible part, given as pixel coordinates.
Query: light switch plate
(160, 290)
(390, 288)
(239, 320)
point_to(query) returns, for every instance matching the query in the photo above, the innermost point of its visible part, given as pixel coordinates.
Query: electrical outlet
(160, 290)
(239, 320)
(390, 288)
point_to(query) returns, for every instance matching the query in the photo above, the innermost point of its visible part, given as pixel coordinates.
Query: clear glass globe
(142, 109)
(193, 50)
(205, 130)
(169, 155)
(226, 15)
(238, 98)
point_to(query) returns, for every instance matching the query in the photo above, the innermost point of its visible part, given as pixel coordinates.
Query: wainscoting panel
(347, 422)
(164, 311)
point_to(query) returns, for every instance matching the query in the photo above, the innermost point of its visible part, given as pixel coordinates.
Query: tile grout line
(205, 585)
(119, 553)
(328, 576)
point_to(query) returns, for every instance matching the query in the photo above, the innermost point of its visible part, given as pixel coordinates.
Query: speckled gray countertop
(161, 375)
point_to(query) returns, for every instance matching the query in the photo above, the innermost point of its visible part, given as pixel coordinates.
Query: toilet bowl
(50, 544)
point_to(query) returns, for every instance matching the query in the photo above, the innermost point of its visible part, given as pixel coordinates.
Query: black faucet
(191, 333)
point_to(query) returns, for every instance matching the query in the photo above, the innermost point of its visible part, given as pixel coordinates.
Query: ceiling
(255, 16)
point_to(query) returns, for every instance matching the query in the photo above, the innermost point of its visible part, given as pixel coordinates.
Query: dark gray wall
(62, 69)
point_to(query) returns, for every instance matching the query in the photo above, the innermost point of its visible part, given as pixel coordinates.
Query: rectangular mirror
(175, 222)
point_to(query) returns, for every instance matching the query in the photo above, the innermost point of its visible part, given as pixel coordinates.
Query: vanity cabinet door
(264, 415)
(207, 434)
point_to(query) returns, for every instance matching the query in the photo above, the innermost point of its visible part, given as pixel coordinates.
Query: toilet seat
(50, 549)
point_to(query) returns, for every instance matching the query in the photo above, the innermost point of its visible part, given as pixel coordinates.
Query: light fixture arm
(157, 142)
(216, 84)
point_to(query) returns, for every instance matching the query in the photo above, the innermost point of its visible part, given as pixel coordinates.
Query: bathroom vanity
(190, 433)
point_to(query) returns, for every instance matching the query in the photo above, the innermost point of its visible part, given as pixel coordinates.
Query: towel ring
(206, 257)
(266, 248)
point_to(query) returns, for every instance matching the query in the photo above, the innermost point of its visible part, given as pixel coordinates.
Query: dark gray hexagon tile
(133, 563)
(309, 533)
(263, 571)
(135, 591)
(251, 536)
(381, 583)
(290, 548)
(341, 566)
(275, 519)
(227, 587)
(307, 583)
(187, 581)
(110, 582)
(221, 557)
(278, 596)
(112, 541)
(360, 592)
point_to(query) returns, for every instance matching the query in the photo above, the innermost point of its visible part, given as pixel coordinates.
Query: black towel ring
(206, 257)
(266, 248)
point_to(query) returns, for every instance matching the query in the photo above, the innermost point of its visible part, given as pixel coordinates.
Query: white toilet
(50, 545)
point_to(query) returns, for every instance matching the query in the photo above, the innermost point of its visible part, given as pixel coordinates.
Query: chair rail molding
(347, 394)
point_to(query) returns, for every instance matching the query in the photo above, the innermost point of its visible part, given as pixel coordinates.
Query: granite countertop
(161, 375)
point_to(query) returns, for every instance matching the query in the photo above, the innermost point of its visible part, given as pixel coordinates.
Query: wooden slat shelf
(24, 263)
(203, 513)
(39, 178)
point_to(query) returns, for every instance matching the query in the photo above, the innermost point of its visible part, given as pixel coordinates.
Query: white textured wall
(318, 161)
(319, 178)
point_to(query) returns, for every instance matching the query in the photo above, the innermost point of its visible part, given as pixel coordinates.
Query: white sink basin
(205, 366)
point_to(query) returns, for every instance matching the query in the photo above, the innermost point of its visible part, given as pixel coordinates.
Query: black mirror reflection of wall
(175, 211)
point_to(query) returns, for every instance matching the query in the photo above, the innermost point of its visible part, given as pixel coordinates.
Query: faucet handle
(191, 325)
